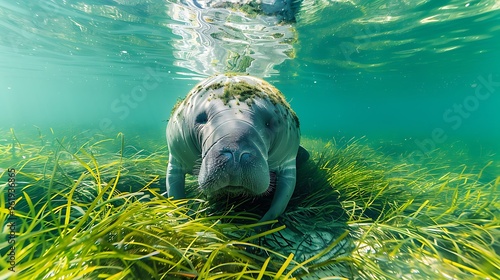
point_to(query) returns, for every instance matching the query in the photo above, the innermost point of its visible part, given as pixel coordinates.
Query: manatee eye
(202, 118)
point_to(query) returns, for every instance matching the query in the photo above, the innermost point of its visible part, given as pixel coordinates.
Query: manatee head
(239, 123)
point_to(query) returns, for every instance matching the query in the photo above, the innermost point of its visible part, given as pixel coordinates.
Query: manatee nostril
(244, 157)
(236, 156)
(227, 154)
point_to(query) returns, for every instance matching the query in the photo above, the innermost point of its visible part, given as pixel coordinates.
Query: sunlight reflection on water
(216, 40)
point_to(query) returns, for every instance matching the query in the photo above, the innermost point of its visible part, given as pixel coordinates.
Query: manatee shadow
(313, 220)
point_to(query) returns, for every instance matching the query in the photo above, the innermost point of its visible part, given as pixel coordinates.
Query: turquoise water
(407, 76)
(421, 73)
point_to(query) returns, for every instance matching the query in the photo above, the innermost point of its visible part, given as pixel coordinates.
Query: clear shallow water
(413, 75)
(419, 73)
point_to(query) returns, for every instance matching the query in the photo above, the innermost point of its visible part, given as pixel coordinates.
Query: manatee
(238, 134)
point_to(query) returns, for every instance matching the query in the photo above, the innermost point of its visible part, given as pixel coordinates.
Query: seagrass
(94, 209)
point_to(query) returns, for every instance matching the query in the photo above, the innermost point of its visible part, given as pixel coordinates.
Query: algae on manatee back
(240, 91)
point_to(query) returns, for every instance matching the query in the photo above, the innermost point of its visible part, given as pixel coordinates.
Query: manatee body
(236, 133)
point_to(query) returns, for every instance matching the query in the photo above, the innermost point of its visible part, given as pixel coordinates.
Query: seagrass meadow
(398, 103)
(94, 209)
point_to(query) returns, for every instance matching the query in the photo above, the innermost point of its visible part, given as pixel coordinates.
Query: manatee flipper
(302, 156)
(285, 185)
(175, 179)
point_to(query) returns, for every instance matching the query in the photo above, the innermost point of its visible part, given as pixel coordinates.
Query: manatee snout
(234, 168)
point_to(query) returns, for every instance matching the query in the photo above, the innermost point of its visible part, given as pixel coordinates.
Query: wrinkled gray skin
(234, 146)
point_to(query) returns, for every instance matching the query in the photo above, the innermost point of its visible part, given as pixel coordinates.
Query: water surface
(416, 72)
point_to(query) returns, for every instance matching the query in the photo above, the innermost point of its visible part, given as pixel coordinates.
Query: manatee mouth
(239, 190)
(235, 189)
(231, 191)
